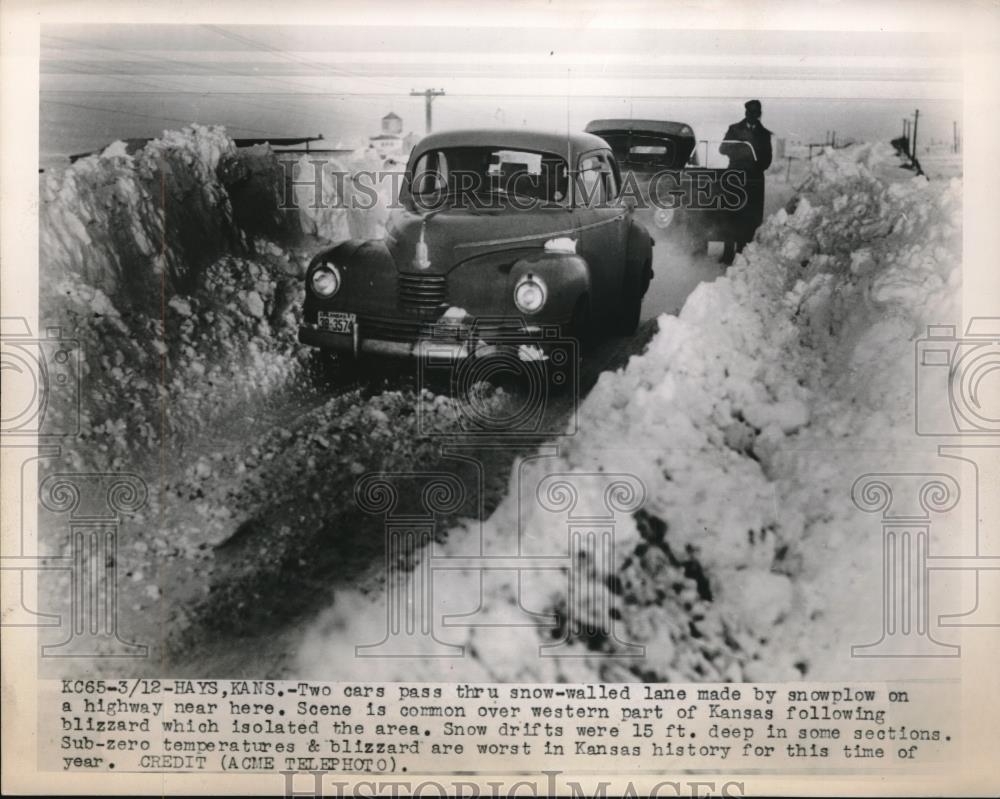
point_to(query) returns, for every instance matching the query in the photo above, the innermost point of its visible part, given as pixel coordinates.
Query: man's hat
(752, 105)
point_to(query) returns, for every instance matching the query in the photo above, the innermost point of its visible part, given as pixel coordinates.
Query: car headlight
(326, 280)
(530, 294)
(663, 217)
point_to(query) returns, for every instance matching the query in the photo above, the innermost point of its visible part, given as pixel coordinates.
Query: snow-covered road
(746, 421)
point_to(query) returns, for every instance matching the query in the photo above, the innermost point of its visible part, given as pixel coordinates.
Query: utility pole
(916, 118)
(954, 128)
(428, 95)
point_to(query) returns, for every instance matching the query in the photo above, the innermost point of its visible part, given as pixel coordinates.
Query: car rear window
(645, 150)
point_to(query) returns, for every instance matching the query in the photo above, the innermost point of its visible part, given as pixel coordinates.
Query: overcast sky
(282, 80)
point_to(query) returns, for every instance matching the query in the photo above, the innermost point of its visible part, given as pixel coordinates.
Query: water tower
(392, 125)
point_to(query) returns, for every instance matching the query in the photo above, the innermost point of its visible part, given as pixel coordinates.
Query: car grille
(424, 295)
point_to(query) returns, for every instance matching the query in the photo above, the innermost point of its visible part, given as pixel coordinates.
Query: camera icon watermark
(957, 395)
(38, 372)
(957, 380)
(537, 363)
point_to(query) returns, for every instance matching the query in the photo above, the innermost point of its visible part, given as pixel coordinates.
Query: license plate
(337, 322)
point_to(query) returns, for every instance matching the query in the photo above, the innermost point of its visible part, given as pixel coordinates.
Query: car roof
(559, 143)
(640, 125)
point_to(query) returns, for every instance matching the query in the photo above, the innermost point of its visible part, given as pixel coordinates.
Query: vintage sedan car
(501, 235)
(678, 198)
(645, 149)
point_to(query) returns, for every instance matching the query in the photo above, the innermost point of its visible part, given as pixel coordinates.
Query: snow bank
(163, 266)
(120, 221)
(747, 419)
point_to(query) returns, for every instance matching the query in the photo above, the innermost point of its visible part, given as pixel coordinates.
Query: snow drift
(178, 271)
(746, 419)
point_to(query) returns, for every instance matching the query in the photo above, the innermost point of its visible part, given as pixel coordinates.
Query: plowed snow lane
(326, 555)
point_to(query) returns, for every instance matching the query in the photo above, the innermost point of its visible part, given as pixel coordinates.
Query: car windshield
(475, 173)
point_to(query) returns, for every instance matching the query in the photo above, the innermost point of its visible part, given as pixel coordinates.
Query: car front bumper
(357, 346)
(528, 343)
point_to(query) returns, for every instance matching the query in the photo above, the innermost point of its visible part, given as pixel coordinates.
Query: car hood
(437, 242)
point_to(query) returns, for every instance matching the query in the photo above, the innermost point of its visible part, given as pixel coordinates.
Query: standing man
(748, 146)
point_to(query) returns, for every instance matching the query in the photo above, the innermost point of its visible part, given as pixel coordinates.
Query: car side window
(590, 180)
(610, 172)
(430, 173)
(597, 179)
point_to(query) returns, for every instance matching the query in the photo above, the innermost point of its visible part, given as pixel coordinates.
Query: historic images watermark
(42, 390)
(327, 186)
(956, 396)
(546, 783)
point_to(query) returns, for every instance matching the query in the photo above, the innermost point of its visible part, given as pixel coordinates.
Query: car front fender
(484, 285)
(368, 276)
(566, 277)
